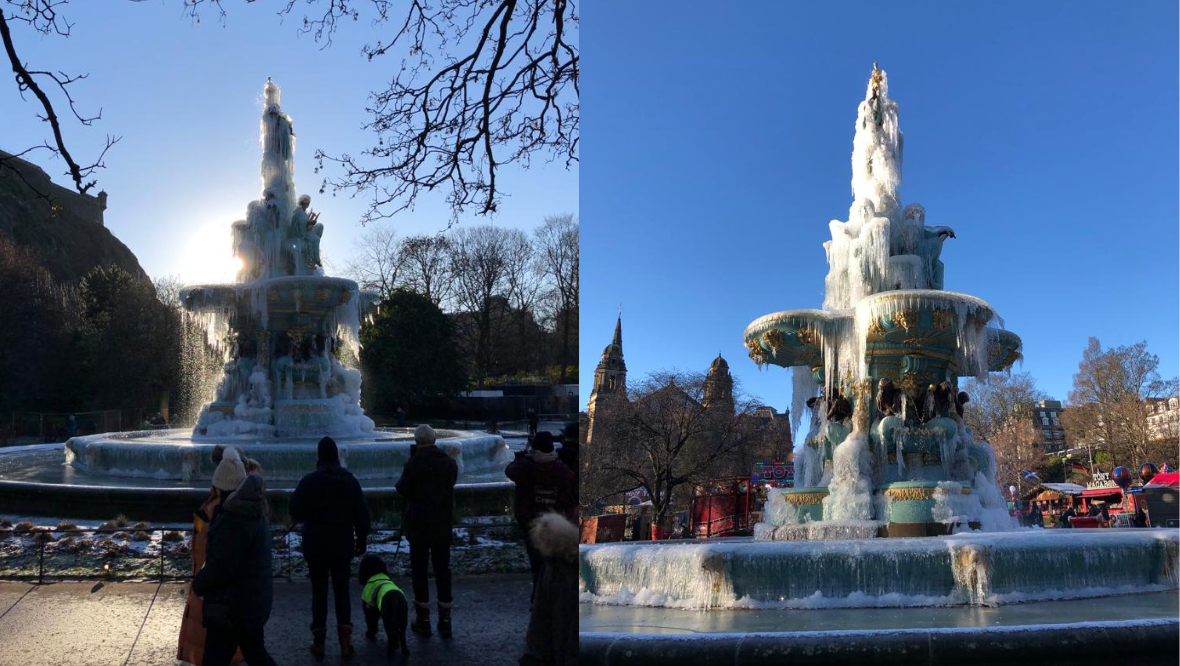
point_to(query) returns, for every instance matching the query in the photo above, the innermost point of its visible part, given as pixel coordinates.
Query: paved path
(138, 623)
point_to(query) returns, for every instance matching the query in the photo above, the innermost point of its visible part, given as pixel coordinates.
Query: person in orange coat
(228, 475)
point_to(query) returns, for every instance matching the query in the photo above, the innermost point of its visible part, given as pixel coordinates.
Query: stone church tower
(718, 389)
(610, 380)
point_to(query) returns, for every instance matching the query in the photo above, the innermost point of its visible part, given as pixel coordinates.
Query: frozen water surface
(646, 620)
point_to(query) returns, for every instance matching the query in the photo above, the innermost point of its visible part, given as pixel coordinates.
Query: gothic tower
(610, 380)
(718, 389)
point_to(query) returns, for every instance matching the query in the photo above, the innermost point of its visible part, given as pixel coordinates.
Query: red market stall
(721, 508)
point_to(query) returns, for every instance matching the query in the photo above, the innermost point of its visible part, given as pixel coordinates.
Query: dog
(381, 597)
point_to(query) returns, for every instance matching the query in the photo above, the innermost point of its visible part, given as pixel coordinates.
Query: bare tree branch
(42, 16)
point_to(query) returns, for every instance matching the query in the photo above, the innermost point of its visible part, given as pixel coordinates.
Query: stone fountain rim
(377, 436)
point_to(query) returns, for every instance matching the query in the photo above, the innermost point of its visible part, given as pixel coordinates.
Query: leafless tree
(1014, 441)
(1001, 413)
(479, 84)
(557, 247)
(663, 440)
(378, 262)
(1108, 404)
(479, 272)
(426, 267)
(44, 17)
(996, 403)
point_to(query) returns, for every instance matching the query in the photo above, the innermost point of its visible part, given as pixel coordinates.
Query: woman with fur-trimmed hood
(235, 584)
(552, 636)
(228, 474)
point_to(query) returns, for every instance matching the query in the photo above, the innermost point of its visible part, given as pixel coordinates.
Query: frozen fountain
(288, 334)
(886, 454)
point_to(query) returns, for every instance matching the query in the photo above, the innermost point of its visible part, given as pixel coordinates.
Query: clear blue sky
(186, 98)
(717, 142)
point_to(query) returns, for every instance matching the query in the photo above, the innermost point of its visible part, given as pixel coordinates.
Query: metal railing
(115, 559)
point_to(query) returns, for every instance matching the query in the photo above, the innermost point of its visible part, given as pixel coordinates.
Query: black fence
(144, 552)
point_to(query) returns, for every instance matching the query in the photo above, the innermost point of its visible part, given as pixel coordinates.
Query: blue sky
(717, 142)
(186, 98)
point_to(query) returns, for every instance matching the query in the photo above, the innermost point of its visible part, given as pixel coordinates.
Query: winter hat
(249, 498)
(555, 536)
(424, 435)
(326, 452)
(230, 471)
(543, 441)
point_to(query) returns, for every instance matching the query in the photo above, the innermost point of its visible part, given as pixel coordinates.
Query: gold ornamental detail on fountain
(918, 494)
(801, 499)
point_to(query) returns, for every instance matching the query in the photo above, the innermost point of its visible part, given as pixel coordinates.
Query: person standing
(533, 420)
(1066, 515)
(543, 484)
(235, 584)
(331, 506)
(427, 486)
(552, 635)
(228, 474)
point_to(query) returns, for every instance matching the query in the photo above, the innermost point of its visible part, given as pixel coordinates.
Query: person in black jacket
(235, 583)
(428, 487)
(330, 504)
(543, 484)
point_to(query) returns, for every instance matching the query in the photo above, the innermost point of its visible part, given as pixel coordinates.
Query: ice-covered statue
(306, 227)
(283, 374)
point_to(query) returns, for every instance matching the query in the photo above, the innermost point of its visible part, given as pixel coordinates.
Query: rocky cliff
(65, 230)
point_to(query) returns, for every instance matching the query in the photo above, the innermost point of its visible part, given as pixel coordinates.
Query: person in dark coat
(331, 506)
(235, 584)
(427, 485)
(1066, 515)
(543, 483)
(227, 477)
(552, 635)
(531, 417)
(568, 453)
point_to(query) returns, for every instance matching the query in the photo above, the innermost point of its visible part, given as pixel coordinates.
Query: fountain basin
(975, 569)
(34, 481)
(174, 454)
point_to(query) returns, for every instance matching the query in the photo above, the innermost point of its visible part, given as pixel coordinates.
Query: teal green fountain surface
(647, 620)
(973, 569)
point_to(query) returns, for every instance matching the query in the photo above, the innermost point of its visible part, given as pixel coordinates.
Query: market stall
(1162, 500)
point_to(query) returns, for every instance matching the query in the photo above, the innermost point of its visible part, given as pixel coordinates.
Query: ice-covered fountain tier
(886, 453)
(286, 331)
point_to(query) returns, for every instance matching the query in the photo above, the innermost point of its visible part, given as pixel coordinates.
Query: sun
(207, 255)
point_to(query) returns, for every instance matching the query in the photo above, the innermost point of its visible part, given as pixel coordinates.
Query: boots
(421, 625)
(318, 636)
(344, 633)
(444, 618)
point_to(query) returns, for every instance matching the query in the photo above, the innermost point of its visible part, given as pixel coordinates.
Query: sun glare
(207, 256)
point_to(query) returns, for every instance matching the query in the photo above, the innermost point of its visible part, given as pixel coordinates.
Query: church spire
(617, 341)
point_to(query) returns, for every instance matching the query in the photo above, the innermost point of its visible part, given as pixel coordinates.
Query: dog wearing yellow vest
(382, 598)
